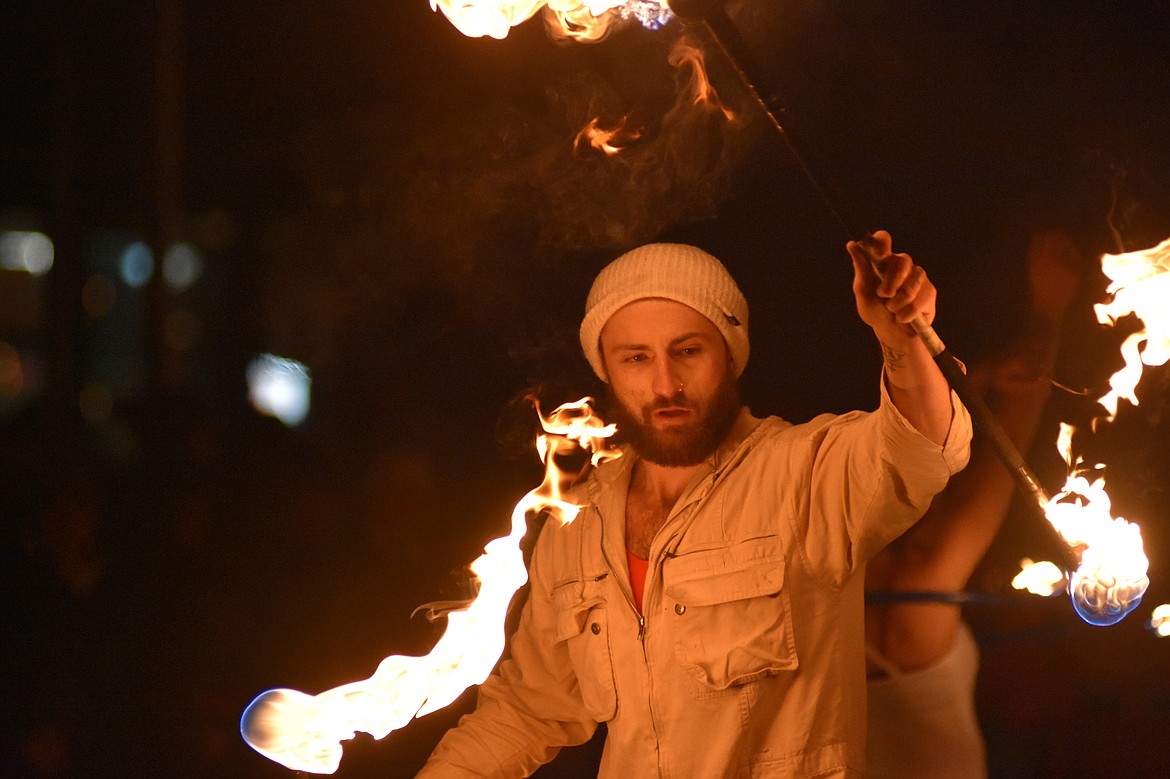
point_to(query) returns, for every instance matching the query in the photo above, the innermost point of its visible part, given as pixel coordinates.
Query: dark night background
(401, 209)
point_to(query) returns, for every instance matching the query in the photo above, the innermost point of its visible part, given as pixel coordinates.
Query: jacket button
(680, 609)
(595, 628)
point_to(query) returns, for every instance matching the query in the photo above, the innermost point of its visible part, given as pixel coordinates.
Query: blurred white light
(181, 266)
(279, 387)
(26, 251)
(136, 264)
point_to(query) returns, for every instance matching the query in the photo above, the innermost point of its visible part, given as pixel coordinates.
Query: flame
(1111, 578)
(610, 141)
(477, 19)
(683, 55)
(1042, 578)
(581, 22)
(686, 53)
(1140, 285)
(586, 21)
(304, 732)
(1160, 620)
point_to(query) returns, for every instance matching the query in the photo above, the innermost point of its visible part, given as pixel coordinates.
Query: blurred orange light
(98, 295)
(11, 372)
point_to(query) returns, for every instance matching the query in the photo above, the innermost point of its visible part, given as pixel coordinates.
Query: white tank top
(922, 724)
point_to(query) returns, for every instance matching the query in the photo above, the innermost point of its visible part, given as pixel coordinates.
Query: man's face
(672, 385)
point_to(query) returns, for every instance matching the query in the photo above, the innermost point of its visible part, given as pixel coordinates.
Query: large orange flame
(586, 21)
(1111, 578)
(492, 19)
(304, 732)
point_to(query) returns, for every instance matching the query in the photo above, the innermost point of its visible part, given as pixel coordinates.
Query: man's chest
(644, 518)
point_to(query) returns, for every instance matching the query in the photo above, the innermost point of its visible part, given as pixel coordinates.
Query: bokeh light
(11, 372)
(25, 250)
(136, 264)
(279, 387)
(182, 266)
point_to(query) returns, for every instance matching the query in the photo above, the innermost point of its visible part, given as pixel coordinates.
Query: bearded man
(706, 603)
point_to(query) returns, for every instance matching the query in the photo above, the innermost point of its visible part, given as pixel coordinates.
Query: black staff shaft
(724, 34)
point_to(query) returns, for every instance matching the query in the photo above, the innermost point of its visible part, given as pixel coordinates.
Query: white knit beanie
(667, 270)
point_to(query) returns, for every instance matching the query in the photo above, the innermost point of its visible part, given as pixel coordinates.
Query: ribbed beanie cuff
(676, 272)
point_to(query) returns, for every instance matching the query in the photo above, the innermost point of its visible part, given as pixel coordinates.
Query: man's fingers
(906, 307)
(897, 272)
(881, 243)
(911, 284)
(901, 287)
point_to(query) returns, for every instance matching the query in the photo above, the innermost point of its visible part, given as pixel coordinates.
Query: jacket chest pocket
(731, 615)
(583, 624)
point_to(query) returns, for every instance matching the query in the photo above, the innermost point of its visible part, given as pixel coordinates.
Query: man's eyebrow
(688, 336)
(631, 347)
(674, 342)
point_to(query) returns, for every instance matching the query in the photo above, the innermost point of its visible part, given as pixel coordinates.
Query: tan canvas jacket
(749, 659)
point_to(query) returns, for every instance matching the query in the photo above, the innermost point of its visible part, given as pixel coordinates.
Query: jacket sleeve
(870, 476)
(528, 709)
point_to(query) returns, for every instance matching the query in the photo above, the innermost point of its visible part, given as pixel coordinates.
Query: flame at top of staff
(304, 732)
(579, 20)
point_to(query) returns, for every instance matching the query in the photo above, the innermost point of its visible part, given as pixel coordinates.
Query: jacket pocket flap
(572, 608)
(747, 570)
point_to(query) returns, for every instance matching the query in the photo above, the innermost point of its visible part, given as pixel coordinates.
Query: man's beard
(679, 445)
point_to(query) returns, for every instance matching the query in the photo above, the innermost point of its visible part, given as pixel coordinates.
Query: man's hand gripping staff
(897, 300)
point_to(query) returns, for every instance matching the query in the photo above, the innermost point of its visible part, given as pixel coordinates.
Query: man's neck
(663, 484)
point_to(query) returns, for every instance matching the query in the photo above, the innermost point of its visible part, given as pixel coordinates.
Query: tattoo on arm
(893, 358)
